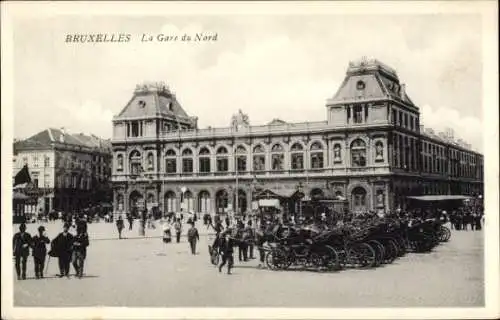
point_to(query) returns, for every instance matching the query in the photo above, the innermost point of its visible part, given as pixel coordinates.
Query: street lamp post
(300, 189)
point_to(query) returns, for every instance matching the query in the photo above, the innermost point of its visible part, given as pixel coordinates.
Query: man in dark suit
(21, 246)
(193, 237)
(62, 247)
(80, 244)
(39, 244)
(226, 248)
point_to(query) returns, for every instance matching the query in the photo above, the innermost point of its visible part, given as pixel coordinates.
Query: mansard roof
(370, 80)
(151, 100)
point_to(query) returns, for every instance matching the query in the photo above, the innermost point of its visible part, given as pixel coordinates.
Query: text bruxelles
(98, 37)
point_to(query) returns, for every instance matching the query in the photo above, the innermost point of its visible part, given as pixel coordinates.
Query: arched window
(135, 199)
(170, 161)
(150, 161)
(379, 151)
(277, 157)
(170, 203)
(221, 201)
(358, 153)
(317, 156)
(337, 152)
(187, 161)
(119, 162)
(241, 159)
(188, 201)
(135, 162)
(297, 156)
(222, 160)
(204, 202)
(242, 201)
(259, 158)
(204, 160)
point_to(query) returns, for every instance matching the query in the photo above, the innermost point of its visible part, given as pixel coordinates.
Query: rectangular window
(259, 163)
(358, 114)
(204, 165)
(222, 164)
(187, 165)
(400, 118)
(46, 162)
(297, 161)
(394, 116)
(317, 160)
(134, 128)
(277, 161)
(241, 163)
(35, 161)
(171, 165)
(406, 120)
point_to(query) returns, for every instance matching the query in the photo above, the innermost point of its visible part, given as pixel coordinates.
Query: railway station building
(371, 150)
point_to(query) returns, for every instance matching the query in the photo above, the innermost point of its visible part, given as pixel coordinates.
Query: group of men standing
(65, 246)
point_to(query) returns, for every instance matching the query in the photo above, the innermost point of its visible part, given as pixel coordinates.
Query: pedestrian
(80, 244)
(62, 247)
(250, 239)
(193, 237)
(167, 235)
(226, 248)
(130, 221)
(142, 229)
(227, 222)
(178, 230)
(119, 226)
(39, 245)
(242, 245)
(21, 246)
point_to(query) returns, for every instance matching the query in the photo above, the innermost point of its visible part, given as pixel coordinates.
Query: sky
(268, 66)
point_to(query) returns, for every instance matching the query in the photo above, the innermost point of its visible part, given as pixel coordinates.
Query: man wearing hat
(39, 244)
(62, 247)
(21, 246)
(80, 244)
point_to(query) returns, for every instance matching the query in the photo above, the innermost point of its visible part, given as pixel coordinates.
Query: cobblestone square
(138, 272)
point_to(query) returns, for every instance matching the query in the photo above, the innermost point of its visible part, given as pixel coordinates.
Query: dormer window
(142, 103)
(360, 85)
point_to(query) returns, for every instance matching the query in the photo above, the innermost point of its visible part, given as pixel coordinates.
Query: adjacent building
(371, 150)
(68, 171)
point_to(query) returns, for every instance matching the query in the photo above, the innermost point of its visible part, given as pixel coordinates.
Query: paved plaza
(139, 272)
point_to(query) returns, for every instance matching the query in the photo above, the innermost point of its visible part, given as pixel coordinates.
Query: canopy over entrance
(440, 197)
(278, 194)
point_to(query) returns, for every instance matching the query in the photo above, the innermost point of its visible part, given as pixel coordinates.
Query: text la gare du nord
(197, 37)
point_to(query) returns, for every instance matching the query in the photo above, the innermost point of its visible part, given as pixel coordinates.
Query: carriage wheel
(362, 255)
(331, 259)
(444, 234)
(391, 250)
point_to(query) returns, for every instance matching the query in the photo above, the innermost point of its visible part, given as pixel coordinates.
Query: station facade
(370, 150)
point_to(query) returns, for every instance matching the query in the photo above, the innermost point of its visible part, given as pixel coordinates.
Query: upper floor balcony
(249, 175)
(320, 127)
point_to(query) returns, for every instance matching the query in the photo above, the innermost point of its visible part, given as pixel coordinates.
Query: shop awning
(276, 193)
(440, 197)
